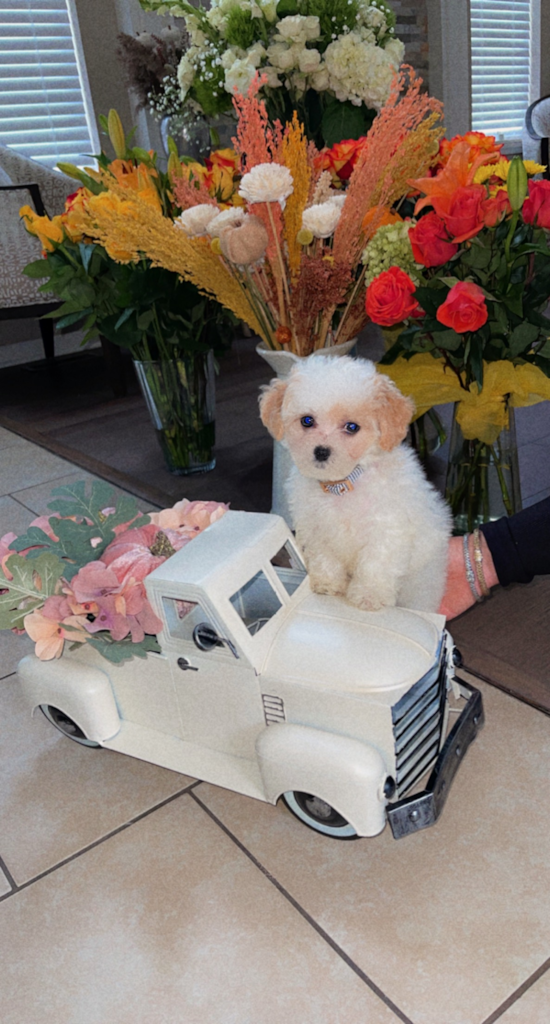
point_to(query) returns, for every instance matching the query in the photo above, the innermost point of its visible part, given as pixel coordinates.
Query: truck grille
(417, 725)
(274, 709)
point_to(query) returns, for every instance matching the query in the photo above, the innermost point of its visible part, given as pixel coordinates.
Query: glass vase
(482, 479)
(180, 396)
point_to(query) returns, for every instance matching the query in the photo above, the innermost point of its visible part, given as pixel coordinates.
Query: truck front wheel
(66, 725)
(319, 815)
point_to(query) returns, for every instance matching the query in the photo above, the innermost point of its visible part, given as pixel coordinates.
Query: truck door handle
(185, 665)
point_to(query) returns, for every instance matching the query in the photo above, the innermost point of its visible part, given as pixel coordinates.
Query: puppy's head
(332, 412)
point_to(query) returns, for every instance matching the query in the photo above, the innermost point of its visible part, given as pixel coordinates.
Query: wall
(412, 28)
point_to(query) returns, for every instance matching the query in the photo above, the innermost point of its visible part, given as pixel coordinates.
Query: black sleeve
(520, 545)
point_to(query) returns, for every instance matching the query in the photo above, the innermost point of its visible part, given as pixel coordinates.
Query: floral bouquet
(147, 310)
(330, 60)
(289, 260)
(77, 576)
(464, 285)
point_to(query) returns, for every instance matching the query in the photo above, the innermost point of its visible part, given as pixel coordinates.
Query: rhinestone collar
(342, 486)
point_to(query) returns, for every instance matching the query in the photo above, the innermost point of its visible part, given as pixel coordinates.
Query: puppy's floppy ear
(393, 413)
(271, 403)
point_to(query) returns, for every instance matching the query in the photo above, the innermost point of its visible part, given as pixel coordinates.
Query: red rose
(464, 308)
(390, 298)
(462, 211)
(430, 241)
(536, 208)
(495, 208)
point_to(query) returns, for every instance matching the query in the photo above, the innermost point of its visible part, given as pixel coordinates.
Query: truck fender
(82, 692)
(346, 773)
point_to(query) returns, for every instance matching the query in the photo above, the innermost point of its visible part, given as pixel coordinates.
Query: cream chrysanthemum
(267, 183)
(322, 218)
(196, 219)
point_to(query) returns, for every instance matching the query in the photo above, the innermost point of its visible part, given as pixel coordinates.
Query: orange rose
(462, 212)
(341, 158)
(430, 242)
(496, 208)
(389, 298)
(478, 143)
(464, 308)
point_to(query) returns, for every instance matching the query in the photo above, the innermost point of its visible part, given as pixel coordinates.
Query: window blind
(42, 111)
(501, 53)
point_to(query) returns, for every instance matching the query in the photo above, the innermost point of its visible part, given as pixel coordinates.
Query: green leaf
(86, 253)
(33, 581)
(117, 651)
(476, 358)
(37, 269)
(448, 340)
(71, 318)
(343, 121)
(523, 337)
(286, 8)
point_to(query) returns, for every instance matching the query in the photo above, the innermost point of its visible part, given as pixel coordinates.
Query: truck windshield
(289, 568)
(256, 602)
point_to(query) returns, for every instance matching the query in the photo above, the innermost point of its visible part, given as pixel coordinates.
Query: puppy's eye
(307, 421)
(351, 428)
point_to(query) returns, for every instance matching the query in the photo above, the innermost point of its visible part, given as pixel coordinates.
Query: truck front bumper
(420, 810)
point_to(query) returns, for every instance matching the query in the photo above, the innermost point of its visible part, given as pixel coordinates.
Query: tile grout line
(97, 842)
(519, 992)
(9, 876)
(304, 913)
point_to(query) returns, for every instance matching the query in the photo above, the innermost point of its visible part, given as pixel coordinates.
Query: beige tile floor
(133, 895)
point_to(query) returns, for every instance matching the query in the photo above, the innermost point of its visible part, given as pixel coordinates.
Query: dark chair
(19, 295)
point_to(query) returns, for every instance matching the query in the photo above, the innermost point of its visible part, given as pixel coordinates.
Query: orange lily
(457, 173)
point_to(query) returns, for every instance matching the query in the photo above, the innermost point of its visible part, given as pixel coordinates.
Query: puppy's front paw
(368, 600)
(328, 585)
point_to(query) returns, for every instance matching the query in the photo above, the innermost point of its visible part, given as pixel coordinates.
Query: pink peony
(189, 517)
(135, 553)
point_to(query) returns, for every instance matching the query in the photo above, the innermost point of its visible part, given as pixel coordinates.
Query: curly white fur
(385, 541)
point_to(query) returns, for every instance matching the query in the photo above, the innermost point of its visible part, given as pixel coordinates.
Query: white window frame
(83, 76)
(84, 85)
(450, 61)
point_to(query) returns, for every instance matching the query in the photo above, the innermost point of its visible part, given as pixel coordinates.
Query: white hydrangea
(267, 183)
(321, 219)
(375, 18)
(196, 219)
(309, 60)
(297, 28)
(273, 80)
(239, 77)
(359, 72)
(255, 54)
(320, 80)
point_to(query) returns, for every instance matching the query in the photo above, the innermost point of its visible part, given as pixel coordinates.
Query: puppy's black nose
(321, 453)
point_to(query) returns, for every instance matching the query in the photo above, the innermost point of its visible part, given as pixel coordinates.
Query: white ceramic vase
(281, 362)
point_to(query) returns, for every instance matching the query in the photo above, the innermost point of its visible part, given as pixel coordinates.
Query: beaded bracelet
(478, 559)
(470, 576)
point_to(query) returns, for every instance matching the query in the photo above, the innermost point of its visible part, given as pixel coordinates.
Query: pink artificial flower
(94, 581)
(50, 636)
(5, 552)
(131, 553)
(189, 517)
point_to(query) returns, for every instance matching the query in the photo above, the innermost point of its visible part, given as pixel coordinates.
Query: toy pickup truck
(270, 690)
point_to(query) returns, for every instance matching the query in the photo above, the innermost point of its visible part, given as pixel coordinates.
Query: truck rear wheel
(66, 725)
(318, 815)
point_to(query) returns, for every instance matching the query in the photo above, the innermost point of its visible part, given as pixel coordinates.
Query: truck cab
(273, 691)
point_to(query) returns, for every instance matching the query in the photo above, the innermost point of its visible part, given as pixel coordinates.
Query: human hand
(458, 595)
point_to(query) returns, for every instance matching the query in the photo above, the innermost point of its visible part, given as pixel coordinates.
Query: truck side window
(256, 602)
(289, 568)
(182, 617)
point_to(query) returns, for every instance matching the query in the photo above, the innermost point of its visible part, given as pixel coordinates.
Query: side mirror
(206, 639)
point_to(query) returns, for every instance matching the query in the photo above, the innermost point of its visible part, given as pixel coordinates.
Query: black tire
(64, 724)
(318, 815)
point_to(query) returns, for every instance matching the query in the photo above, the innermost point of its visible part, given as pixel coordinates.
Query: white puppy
(371, 527)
